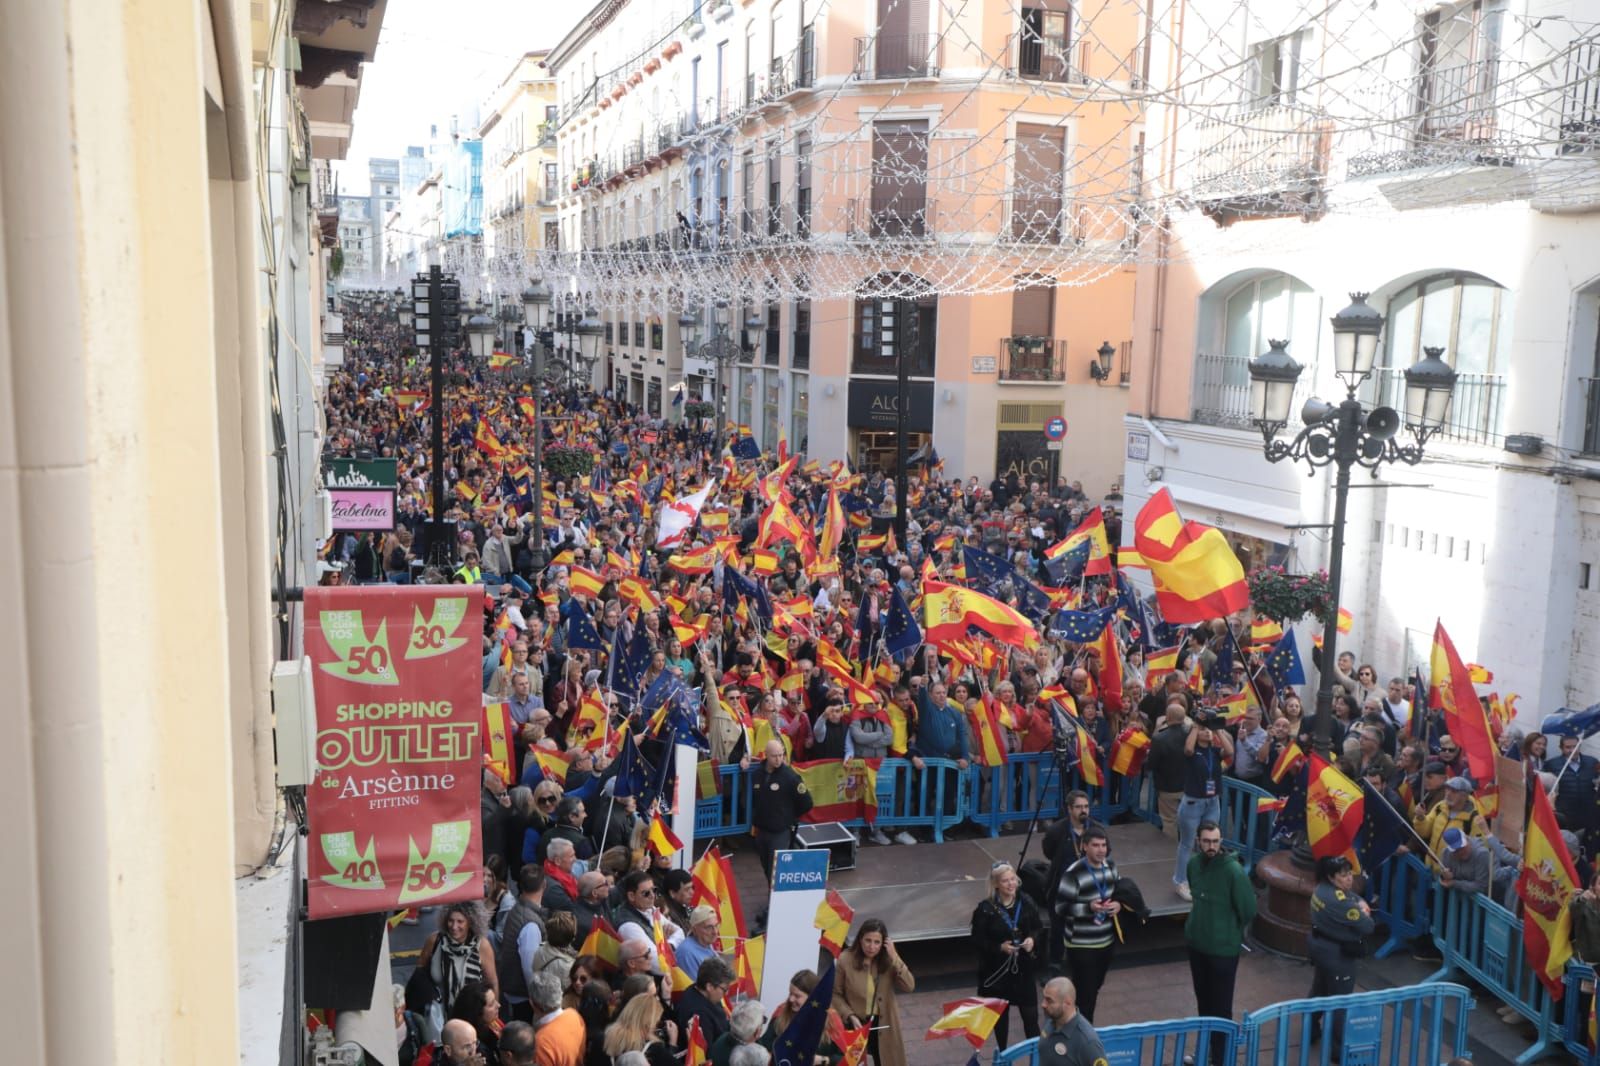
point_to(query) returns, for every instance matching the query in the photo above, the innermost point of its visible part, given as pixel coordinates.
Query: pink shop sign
(362, 509)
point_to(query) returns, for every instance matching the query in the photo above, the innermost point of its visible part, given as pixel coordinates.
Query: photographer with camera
(1207, 747)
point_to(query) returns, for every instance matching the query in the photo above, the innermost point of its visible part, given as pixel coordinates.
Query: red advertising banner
(393, 810)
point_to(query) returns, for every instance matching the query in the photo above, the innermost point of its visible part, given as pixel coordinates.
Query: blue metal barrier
(1141, 799)
(1012, 792)
(1395, 1027)
(1575, 1014)
(1405, 902)
(1482, 939)
(1168, 1043)
(728, 812)
(1244, 829)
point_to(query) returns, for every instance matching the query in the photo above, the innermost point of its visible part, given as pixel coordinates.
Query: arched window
(889, 327)
(1237, 320)
(1469, 317)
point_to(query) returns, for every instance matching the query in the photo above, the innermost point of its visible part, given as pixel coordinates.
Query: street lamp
(480, 334)
(1100, 369)
(1346, 435)
(720, 349)
(588, 331)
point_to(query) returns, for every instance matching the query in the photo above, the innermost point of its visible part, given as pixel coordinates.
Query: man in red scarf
(560, 886)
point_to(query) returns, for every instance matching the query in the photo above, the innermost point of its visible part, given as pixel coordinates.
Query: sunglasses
(547, 801)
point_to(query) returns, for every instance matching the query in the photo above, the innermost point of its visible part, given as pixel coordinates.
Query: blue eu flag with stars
(1283, 662)
(800, 1040)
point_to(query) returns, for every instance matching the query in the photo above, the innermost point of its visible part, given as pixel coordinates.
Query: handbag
(425, 1001)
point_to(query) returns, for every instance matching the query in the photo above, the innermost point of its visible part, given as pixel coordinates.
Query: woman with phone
(869, 977)
(1007, 931)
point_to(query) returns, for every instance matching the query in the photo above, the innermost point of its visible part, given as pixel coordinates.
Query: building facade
(1447, 169)
(519, 182)
(383, 193)
(877, 144)
(357, 241)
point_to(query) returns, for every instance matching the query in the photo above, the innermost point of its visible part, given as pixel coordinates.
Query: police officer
(778, 800)
(1340, 923)
(1068, 1039)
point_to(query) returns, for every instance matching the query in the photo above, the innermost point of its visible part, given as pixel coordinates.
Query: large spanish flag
(947, 611)
(1547, 883)
(1128, 751)
(1197, 575)
(1334, 807)
(989, 746)
(1091, 531)
(714, 885)
(841, 789)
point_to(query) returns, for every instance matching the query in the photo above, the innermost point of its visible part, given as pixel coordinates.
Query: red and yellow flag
(585, 582)
(852, 1043)
(1547, 883)
(833, 526)
(833, 918)
(591, 713)
(1092, 530)
(1109, 679)
(698, 1054)
(553, 764)
(603, 943)
(662, 841)
(948, 610)
(989, 746)
(971, 1019)
(1158, 664)
(1128, 751)
(1088, 758)
(1334, 807)
(713, 885)
(502, 360)
(748, 959)
(842, 790)
(1197, 575)
(498, 754)
(1288, 762)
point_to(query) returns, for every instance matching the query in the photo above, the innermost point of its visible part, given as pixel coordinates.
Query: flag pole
(1404, 821)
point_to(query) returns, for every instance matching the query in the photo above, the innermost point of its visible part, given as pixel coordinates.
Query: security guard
(778, 800)
(1340, 923)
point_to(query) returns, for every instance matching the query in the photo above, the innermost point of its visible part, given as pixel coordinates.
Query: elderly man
(561, 1032)
(701, 942)
(1251, 750)
(745, 1026)
(593, 902)
(518, 1046)
(561, 887)
(458, 1045)
(1458, 810)
(1468, 866)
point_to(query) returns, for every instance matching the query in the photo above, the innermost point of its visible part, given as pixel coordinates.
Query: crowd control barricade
(1483, 940)
(1575, 1012)
(934, 797)
(1245, 830)
(1418, 1025)
(1168, 1043)
(728, 812)
(1405, 902)
(1012, 791)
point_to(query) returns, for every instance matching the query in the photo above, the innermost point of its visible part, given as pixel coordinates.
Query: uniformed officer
(1340, 923)
(778, 800)
(1068, 1039)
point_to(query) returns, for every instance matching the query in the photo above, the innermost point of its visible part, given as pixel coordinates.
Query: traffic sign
(1056, 428)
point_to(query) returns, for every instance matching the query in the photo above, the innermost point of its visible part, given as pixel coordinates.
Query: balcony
(910, 55)
(908, 217)
(1041, 60)
(1591, 416)
(1033, 359)
(1476, 405)
(1266, 160)
(1222, 392)
(1580, 98)
(1448, 115)
(1036, 219)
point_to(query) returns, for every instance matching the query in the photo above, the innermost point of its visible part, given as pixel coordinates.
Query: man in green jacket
(1224, 905)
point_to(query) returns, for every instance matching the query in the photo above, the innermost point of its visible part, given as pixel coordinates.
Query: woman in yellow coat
(866, 982)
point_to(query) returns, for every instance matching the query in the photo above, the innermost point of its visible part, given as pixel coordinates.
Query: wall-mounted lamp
(1100, 369)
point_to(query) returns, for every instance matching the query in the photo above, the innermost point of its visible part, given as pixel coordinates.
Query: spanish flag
(765, 560)
(498, 753)
(501, 360)
(585, 582)
(591, 713)
(636, 592)
(603, 943)
(989, 745)
(1547, 883)
(1288, 762)
(748, 958)
(971, 1019)
(694, 561)
(1088, 762)
(1091, 531)
(833, 918)
(1264, 632)
(487, 442)
(553, 764)
(408, 398)
(1158, 664)
(713, 885)
(662, 841)
(833, 526)
(1109, 679)
(1334, 807)
(526, 405)
(1197, 575)
(852, 1043)
(1128, 751)
(948, 610)
(698, 1055)
(841, 789)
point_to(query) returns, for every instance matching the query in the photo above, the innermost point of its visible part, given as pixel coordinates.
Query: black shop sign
(872, 405)
(1023, 453)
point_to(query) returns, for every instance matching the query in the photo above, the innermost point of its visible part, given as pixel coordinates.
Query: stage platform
(928, 891)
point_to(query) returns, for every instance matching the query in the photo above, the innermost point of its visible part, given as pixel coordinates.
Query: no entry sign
(1056, 428)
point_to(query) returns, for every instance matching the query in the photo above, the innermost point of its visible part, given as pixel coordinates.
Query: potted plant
(698, 409)
(564, 462)
(1286, 598)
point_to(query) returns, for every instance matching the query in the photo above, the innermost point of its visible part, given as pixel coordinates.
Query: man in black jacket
(1063, 846)
(778, 799)
(1166, 760)
(703, 1000)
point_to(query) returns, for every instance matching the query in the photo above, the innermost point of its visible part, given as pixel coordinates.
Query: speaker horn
(1383, 423)
(1315, 411)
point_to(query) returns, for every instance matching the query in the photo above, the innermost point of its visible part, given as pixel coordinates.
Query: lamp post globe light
(588, 331)
(480, 335)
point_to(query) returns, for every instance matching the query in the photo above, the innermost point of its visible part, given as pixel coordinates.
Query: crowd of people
(780, 635)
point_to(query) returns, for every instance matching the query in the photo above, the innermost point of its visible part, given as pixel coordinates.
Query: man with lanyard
(1068, 1038)
(1063, 846)
(1206, 748)
(1086, 912)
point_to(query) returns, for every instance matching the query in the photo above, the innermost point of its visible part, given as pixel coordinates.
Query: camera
(1208, 718)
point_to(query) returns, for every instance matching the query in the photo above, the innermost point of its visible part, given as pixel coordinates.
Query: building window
(1237, 328)
(1044, 43)
(1467, 316)
(656, 334)
(770, 347)
(769, 408)
(747, 193)
(800, 348)
(638, 334)
(888, 329)
(1039, 168)
(802, 186)
(799, 412)
(899, 179)
(774, 190)
(1274, 71)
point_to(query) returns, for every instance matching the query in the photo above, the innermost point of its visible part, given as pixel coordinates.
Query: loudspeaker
(1315, 411)
(1383, 423)
(341, 959)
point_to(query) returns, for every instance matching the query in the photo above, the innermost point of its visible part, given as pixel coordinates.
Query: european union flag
(659, 692)
(1222, 669)
(1081, 627)
(1569, 723)
(1283, 662)
(633, 773)
(901, 634)
(804, 1033)
(652, 489)
(735, 585)
(1031, 599)
(581, 632)
(1381, 834)
(983, 569)
(1290, 824)
(629, 662)
(1068, 567)
(746, 448)
(852, 502)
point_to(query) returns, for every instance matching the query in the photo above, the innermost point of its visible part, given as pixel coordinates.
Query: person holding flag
(1207, 747)
(801, 985)
(868, 978)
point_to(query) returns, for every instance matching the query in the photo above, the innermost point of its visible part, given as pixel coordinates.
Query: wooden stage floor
(928, 891)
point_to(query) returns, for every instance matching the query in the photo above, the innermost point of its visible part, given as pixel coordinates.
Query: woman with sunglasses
(1007, 930)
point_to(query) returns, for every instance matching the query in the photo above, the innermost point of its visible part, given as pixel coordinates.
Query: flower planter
(652, 65)
(672, 49)
(635, 78)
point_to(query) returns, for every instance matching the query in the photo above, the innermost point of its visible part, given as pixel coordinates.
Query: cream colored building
(884, 133)
(519, 180)
(165, 218)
